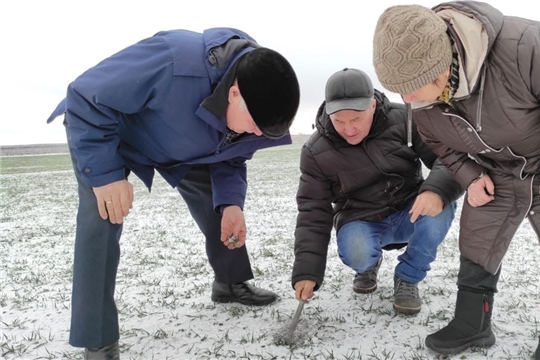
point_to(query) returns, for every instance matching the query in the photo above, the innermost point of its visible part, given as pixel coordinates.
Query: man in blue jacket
(194, 107)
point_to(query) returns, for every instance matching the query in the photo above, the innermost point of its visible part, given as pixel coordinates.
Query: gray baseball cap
(348, 89)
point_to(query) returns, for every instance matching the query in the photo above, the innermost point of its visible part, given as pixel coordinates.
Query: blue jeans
(360, 243)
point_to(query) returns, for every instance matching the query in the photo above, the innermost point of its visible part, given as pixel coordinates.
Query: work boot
(537, 352)
(406, 297)
(109, 352)
(366, 282)
(471, 325)
(242, 293)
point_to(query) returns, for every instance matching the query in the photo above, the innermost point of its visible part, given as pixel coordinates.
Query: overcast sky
(47, 44)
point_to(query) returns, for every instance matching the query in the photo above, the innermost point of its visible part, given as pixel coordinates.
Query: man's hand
(233, 224)
(304, 290)
(114, 200)
(481, 191)
(427, 203)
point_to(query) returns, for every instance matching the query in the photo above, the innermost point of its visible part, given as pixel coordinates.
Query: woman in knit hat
(471, 79)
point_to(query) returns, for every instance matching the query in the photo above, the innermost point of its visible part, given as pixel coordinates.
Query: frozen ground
(163, 289)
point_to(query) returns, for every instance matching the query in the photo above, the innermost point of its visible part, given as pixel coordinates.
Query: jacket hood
(474, 26)
(490, 18)
(224, 47)
(325, 127)
(217, 37)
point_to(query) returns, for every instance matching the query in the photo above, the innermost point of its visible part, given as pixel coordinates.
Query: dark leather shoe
(242, 293)
(109, 352)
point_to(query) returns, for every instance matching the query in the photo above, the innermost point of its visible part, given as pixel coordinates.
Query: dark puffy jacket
(370, 181)
(492, 124)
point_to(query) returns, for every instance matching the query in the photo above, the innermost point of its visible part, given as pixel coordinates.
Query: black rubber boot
(537, 352)
(471, 325)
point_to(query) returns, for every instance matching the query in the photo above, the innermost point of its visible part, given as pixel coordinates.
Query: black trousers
(230, 266)
(472, 277)
(94, 317)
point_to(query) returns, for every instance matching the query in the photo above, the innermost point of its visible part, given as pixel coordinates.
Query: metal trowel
(295, 320)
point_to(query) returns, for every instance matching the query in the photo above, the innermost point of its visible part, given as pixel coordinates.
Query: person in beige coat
(471, 79)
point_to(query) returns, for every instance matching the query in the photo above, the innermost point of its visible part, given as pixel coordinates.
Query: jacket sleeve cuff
(469, 171)
(318, 281)
(105, 179)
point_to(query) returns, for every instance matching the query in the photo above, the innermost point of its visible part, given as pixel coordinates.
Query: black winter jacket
(370, 181)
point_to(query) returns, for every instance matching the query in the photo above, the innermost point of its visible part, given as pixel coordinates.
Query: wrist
(478, 178)
(223, 207)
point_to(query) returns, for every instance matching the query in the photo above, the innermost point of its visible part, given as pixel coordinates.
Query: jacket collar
(223, 58)
(218, 102)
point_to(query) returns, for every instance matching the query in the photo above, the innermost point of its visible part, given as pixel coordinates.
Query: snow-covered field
(163, 288)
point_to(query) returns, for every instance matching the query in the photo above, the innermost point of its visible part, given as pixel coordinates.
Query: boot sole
(407, 310)
(227, 300)
(483, 342)
(365, 290)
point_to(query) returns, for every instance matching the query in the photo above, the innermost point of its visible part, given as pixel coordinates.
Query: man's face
(352, 125)
(238, 118)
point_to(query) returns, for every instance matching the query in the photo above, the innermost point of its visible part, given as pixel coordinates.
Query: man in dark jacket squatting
(360, 174)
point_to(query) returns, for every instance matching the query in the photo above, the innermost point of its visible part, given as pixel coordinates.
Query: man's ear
(373, 104)
(234, 92)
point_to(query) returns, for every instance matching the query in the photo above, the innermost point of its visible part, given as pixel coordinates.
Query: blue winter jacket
(160, 104)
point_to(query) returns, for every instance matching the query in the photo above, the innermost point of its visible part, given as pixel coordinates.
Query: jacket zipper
(485, 310)
(241, 140)
(445, 113)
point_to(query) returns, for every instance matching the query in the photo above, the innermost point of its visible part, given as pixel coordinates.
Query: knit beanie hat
(269, 86)
(410, 48)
